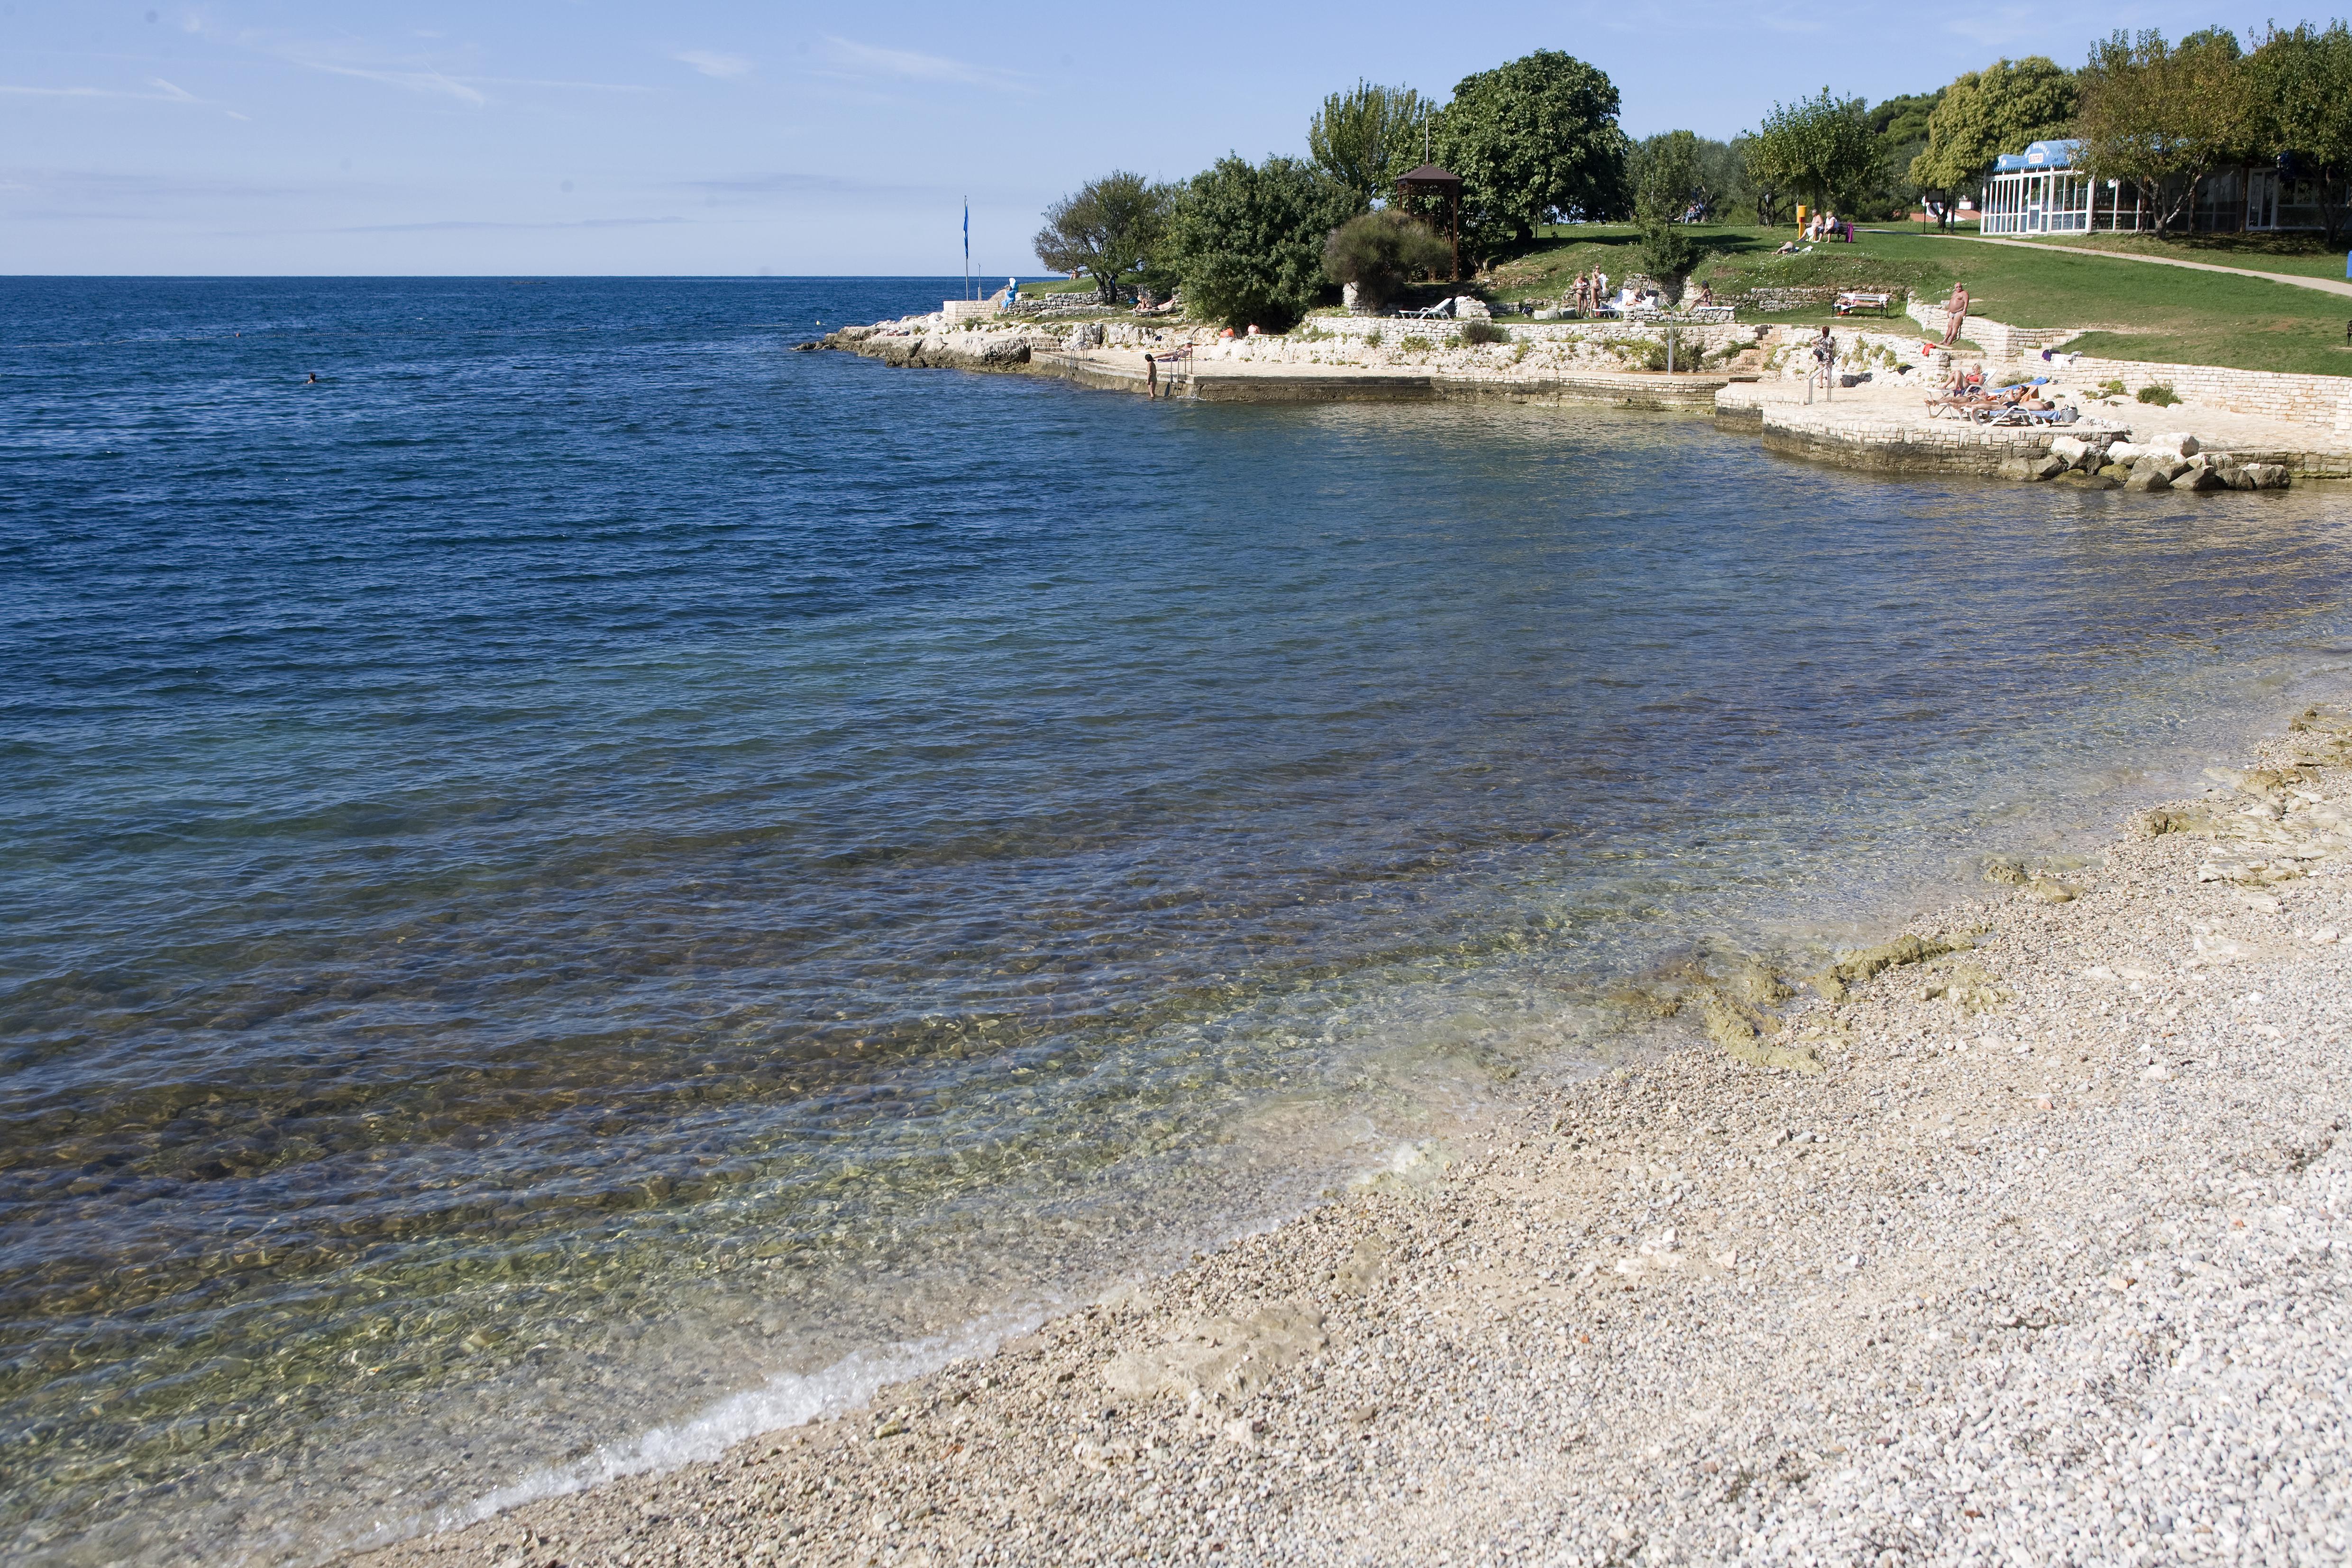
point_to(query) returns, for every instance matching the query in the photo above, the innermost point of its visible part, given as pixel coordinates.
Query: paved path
(2324, 285)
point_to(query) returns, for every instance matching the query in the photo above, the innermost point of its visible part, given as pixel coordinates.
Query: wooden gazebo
(1429, 180)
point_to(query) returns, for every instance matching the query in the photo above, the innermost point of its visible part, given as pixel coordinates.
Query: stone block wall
(2321, 400)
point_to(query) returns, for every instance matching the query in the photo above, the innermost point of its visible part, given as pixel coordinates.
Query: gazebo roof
(1430, 174)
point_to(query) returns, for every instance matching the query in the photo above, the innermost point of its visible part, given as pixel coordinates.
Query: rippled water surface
(591, 876)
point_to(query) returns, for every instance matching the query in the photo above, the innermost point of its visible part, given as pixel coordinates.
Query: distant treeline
(1537, 141)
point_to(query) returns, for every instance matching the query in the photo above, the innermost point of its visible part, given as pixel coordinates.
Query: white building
(2042, 191)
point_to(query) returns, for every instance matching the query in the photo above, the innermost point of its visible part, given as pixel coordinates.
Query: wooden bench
(1848, 302)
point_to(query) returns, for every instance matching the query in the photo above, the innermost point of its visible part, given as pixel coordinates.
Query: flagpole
(967, 247)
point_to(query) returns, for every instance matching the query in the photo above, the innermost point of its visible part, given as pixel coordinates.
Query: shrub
(1414, 344)
(1381, 252)
(1519, 352)
(2160, 393)
(1643, 353)
(1246, 240)
(1372, 339)
(1475, 331)
(2112, 388)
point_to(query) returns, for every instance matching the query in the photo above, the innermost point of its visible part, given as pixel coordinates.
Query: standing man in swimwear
(1150, 377)
(1955, 314)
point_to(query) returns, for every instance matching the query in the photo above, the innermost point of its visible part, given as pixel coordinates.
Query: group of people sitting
(1588, 295)
(1827, 225)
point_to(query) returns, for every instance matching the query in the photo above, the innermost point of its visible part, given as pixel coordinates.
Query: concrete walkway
(2324, 285)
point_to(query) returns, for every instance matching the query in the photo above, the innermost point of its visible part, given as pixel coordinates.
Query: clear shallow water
(590, 863)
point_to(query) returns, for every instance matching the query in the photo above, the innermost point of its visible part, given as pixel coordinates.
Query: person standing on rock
(1151, 377)
(1955, 314)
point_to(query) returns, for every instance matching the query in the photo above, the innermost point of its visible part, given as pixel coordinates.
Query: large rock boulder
(982, 351)
(2075, 452)
(2149, 478)
(2267, 476)
(2179, 443)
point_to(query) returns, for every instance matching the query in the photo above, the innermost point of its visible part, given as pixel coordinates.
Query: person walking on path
(1955, 314)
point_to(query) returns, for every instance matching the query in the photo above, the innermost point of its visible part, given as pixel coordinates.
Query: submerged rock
(1834, 981)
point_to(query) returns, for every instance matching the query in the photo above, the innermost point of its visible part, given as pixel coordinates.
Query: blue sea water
(588, 883)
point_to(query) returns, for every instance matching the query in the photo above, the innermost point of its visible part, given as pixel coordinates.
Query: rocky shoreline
(1749, 377)
(2020, 1236)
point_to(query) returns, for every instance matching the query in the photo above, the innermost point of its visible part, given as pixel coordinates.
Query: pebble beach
(2018, 1237)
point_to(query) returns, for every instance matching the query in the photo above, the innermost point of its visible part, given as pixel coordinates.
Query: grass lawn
(2142, 313)
(2302, 255)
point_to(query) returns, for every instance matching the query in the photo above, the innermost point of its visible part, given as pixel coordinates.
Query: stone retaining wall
(2322, 400)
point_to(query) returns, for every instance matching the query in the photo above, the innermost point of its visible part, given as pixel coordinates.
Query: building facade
(2043, 190)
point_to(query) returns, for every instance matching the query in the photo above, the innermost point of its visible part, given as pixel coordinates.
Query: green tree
(1761, 189)
(1666, 172)
(2302, 87)
(1363, 139)
(1245, 241)
(1986, 114)
(2159, 116)
(1900, 124)
(1533, 141)
(1821, 148)
(1106, 229)
(1379, 252)
(1722, 181)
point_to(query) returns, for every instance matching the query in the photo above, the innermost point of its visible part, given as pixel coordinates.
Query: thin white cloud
(178, 94)
(363, 62)
(430, 82)
(2004, 25)
(712, 63)
(174, 96)
(907, 65)
(543, 81)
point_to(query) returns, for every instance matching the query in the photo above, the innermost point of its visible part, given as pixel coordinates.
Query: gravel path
(2033, 1251)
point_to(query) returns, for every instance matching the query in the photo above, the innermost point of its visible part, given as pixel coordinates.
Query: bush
(2161, 394)
(2112, 388)
(1414, 344)
(1475, 331)
(1247, 240)
(1379, 252)
(1666, 253)
(1372, 339)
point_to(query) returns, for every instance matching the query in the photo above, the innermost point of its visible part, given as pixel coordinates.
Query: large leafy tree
(2161, 117)
(1985, 114)
(1533, 141)
(1761, 185)
(1900, 124)
(1363, 139)
(1106, 229)
(1667, 173)
(2302, 86)
(1246, 240)
(1821, 148)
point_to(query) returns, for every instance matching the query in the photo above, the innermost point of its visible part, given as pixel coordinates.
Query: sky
(574, 136)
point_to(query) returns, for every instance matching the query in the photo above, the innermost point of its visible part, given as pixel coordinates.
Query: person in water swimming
(313, 381)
